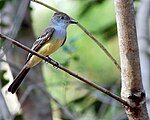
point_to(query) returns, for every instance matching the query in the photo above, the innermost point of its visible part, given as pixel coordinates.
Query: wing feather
(44, 38)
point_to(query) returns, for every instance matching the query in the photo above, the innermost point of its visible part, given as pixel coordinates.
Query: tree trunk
(143, 15)
(132, 88)
(35, 105)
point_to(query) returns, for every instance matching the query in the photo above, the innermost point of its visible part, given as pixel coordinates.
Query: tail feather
(18, 80)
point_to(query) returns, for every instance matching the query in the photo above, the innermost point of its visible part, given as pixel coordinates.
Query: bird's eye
(62, 17)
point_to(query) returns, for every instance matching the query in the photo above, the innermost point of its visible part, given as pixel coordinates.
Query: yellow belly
(46, 50)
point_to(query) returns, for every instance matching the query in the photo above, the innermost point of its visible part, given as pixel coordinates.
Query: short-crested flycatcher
(52, 38)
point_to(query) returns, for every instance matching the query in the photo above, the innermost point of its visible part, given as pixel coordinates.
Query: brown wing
(46, 36)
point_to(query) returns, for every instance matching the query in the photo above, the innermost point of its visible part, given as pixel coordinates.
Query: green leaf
(76, 58)
(2, 3)
(3, 25)
(1, 42)
(3, 80)
(108, 31)
(19, 117)
(66, 63)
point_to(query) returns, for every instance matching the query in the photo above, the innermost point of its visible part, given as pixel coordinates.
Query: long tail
(18, 80)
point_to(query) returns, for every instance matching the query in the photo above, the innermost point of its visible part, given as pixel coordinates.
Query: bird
(53, 37)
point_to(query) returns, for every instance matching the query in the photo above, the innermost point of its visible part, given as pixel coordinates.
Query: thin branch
(88, 33)
(67, 70)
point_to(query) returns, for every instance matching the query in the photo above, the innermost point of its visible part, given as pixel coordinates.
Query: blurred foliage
(2, 25)
(93, 100)
(108, 32)
(18, 117)
(88, 5)
(2, 3)
(1, 43)
(3, 80)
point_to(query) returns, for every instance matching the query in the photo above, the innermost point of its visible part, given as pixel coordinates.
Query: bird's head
(62, 20)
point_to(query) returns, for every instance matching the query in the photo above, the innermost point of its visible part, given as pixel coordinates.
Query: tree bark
(143, 15)
(36, 105)
(132, 89)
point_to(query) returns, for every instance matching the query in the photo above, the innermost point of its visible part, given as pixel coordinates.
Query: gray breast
(59, 34)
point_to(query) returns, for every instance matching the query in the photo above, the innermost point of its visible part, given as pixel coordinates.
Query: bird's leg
(55, 64)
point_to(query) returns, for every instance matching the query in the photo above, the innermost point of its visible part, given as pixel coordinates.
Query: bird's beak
(72, 21)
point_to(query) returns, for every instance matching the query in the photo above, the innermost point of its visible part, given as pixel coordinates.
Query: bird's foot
(55, 64)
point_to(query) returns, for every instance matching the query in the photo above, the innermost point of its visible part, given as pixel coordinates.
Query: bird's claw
(55, 64)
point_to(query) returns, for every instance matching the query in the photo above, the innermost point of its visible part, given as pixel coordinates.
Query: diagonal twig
(67, 71)
(88, 33)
